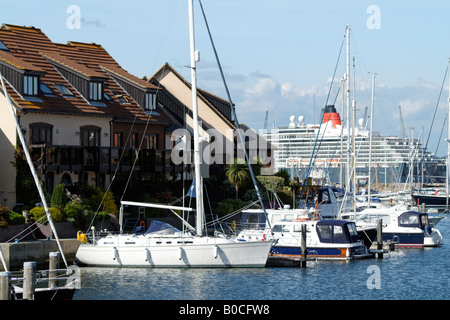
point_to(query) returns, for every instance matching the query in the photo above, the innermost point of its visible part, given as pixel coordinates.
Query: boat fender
(81, 237)
(115, 253)
(180, 253)
(263, 237)
(216, 251)
(147, 255)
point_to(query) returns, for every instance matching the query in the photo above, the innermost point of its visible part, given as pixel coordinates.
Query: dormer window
(95, 91)
(3, 47)
(150, 101)
(30, 85)
(46, 91)
(63, 90)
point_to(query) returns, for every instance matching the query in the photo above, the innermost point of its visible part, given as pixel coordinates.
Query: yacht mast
(354, 137)
(347, 77)
(370, 139)
(447, 180)
(197, 155)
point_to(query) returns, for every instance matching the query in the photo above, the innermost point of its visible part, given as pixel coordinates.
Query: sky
(281, 57)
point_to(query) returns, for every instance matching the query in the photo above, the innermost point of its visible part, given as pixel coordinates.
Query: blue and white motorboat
(406, 228)
(327, 239)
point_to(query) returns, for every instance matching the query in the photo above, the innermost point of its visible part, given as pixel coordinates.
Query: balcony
(101, 159)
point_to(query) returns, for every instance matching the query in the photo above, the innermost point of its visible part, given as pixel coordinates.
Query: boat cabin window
(325, 231)
(338, 233)
(409, 219)
(281, 228)
(424, 220)
(252, 220)
(352, 229)
(333, 233)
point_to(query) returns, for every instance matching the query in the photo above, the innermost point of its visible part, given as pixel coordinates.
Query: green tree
(285, 175)
(237, 173)
(59, 197)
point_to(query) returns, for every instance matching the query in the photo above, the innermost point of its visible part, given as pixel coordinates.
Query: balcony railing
(102, 159)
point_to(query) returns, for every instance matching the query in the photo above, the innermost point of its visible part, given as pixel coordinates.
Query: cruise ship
(324, 152)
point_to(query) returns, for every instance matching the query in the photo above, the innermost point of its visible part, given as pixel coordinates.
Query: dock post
(5, 285)
(29, 275)
(303, 247)
(380, 239)
(53, 265)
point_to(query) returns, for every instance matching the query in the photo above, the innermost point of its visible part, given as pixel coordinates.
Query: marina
(404, 274)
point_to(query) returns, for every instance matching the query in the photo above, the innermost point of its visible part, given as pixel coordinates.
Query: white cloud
(264, 86)
(412, 107)
(286, 89)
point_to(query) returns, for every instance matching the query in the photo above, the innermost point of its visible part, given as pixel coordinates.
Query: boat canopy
(162, 228)
(337, 231)
(413, 219)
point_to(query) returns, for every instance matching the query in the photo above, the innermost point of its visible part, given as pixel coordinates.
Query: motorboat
(407, 228)
(326, 239)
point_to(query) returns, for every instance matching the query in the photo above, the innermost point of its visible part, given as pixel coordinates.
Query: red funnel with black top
(330, 114)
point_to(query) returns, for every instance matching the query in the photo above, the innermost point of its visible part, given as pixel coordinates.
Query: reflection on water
(404, 274)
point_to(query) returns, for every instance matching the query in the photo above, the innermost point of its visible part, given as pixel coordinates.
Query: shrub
(286, 196)
(59, 197)
(283, 173)
(228, 206)
(102, 202)
(271, 183)
(4, 212)
(4, 216)
(16, 218)
(39, 212)
(76, 212)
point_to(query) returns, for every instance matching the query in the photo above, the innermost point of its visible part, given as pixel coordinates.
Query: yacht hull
(202, 252)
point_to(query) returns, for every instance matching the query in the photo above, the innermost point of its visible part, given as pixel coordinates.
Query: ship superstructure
(323, 148)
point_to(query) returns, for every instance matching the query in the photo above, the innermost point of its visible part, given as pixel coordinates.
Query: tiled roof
(18, 63)
(119, 72)
(30, 49)
(73, 65)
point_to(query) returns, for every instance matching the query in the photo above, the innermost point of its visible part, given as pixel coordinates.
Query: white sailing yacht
(165, 246)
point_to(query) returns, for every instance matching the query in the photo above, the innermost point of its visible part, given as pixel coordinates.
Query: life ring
(142, 223)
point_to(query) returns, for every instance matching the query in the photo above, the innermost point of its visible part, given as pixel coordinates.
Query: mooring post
(5, 285)
(303, 247)
(380, 239)
(53, 265)
(29, 280)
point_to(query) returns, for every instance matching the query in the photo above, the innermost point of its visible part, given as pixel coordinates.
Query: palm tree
(237, 173)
